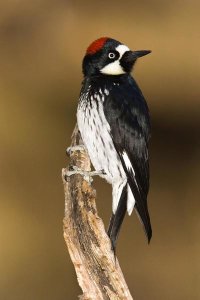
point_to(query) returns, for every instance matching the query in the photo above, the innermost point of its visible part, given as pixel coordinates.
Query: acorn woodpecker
(113, 119)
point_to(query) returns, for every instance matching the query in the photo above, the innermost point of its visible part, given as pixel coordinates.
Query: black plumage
(113, 119)
(128, 116)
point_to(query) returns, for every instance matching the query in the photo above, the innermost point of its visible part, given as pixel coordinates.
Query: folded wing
(127, 114)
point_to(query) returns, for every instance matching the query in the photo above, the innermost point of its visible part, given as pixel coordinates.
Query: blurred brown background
(41, 47)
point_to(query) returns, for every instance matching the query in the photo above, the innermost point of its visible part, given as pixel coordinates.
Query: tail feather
(145, 220)
(117, 218)
(139, 188)
(142, 210)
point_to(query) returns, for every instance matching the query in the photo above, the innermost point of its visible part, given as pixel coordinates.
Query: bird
(114, 123)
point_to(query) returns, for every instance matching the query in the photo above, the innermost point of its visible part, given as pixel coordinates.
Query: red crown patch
(96, 45)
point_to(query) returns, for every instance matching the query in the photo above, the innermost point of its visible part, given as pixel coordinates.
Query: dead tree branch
(98, 273)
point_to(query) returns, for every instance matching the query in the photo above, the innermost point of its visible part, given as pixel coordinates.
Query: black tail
(145, 220)
(142, 210)
(117, 218)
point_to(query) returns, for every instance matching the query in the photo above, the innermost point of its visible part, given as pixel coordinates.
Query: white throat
(114, 68)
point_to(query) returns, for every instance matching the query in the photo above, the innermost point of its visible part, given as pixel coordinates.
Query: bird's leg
(87, 175)
(97, 173)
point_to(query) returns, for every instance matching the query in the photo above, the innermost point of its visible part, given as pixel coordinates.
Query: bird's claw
(69, 150)
(87, 175)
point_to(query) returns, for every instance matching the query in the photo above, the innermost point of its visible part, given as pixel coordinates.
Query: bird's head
(110, 57)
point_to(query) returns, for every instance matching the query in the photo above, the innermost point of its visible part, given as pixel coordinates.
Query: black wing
(127, 114)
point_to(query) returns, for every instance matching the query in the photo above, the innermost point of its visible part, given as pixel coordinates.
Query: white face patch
(114, 68)
(122, 49)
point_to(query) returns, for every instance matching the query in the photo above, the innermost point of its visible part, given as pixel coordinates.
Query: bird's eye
(111, 55)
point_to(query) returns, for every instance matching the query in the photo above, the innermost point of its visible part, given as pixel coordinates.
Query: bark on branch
(98, 272)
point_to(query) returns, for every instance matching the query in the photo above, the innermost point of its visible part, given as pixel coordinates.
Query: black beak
(140, 53)
(129, 58)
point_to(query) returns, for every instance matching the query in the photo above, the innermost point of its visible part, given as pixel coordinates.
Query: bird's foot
(87, 175)
(97, 173)
(70, 150)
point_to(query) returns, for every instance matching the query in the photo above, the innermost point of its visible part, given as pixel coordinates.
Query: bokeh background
(41, 47)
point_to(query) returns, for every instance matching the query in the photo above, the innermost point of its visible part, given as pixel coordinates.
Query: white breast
(95, 132)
